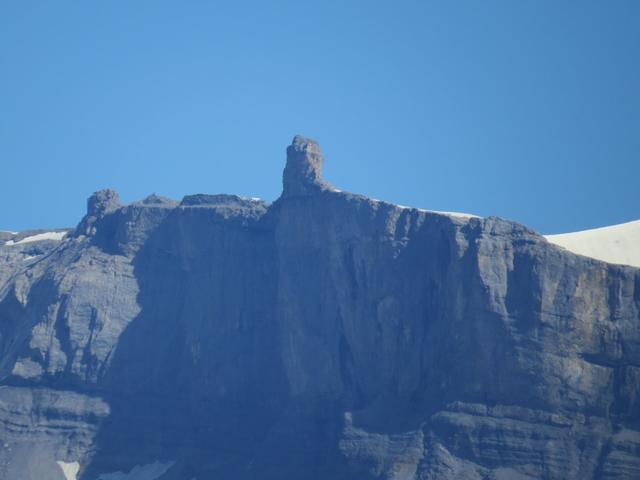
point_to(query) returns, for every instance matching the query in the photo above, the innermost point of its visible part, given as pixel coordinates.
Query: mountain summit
(323, 336)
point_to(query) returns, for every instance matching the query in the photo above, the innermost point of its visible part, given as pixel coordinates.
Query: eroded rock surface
(325, 335)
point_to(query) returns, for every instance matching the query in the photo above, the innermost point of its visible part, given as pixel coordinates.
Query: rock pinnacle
(98, 205)
(303, 172)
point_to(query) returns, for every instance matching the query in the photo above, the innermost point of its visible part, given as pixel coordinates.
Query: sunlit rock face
(303, 171)
(325, 335)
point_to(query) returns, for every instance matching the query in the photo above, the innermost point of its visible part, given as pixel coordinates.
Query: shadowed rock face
(326, 335)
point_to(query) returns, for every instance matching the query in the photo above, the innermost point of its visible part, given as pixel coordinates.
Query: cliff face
(326, 335)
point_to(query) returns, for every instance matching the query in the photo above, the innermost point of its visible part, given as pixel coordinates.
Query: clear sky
(529, 110)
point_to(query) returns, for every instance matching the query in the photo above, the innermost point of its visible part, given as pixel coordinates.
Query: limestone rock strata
(325, 335)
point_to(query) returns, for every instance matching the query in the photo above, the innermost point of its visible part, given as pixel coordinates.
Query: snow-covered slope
(38, 238)
(614, 244)
(69, 469)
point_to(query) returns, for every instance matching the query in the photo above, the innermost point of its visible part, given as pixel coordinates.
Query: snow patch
(39, 237)
(618, 244)
(465, 216)
(151, 471)
(449, 214)
(454, 214)
(69, 469)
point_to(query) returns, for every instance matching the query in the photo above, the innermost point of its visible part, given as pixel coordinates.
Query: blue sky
(527, 110)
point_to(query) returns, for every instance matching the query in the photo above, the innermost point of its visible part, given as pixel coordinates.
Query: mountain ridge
(325, 335)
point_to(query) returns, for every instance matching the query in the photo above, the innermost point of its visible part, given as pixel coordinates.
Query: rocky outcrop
(325, 335)
(99, 204)
(303, 171)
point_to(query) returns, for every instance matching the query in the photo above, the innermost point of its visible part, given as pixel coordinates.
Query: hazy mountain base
(324, 336)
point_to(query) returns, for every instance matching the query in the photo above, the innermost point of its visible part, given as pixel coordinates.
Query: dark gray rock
(99, 204)
(42, 426)
(158, 200)
(303, 171)
(6, 236)
(102, 202)
(326, 335)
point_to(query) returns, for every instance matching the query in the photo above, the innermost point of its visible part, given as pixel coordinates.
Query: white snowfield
(39, 237)
(615, 244)
(69, 469)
